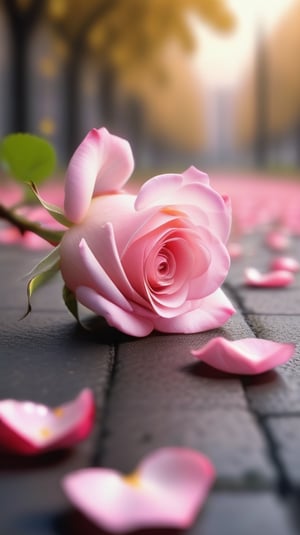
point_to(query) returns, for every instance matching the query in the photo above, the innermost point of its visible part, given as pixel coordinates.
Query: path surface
(150, 393)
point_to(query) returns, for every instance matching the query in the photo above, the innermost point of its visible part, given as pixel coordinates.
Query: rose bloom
(155, 260)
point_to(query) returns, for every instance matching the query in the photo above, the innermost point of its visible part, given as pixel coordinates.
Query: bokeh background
(214, 83)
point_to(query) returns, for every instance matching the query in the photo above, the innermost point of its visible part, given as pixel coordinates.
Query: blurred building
(268, 102)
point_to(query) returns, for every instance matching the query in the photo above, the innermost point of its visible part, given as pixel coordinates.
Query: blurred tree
(261, 99)
(22, 16)
(123, 35)
(269, 98)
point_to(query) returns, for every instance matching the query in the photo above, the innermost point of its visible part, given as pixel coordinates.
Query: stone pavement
(151, 393)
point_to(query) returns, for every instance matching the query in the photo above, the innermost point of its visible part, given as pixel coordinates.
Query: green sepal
(35, 283)
(55, 211)
(41, 274)
(71, 302)
(72, 305)
(47, 263)
(27, 157)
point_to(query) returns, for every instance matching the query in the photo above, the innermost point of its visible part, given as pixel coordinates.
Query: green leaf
(71, 303)
(55, 211)
(27, 157)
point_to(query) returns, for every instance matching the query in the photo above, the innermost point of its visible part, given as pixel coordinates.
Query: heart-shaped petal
(271, 279)
(30, 428)
(245, 356)
(167, 489)
(285, 263)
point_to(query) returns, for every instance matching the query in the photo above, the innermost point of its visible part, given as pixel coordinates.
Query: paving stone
(32, 501)
(244, 513)
(161, 370)
(16, 263)
(273, 301)
(48, 359)
(161, 396)
(230, 438)
(286, 436)
(278, 391)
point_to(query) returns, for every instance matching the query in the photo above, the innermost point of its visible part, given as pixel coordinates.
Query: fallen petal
(167, 489)
(271, 279)
(30, 428)
(278, 240)
(247, 356)
(235, 250)
(286, 263)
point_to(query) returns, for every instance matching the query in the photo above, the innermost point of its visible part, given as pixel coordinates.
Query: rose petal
(272, 279)
(173, 189)
(285, 263)
(29, 428)
(208, 313)
(167, 489)
(102, 163)
(192, 174)
(117, 317)
(246, 356)
(103, 283)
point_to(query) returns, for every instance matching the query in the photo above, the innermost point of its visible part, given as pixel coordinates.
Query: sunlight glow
(223, 58)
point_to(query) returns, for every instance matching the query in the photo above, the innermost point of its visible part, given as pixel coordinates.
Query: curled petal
(208, 313)
(102, 163)
(192, 174)
(30, 428)
(167, 490)
(285, 263)
(246, 356)
(103, 283)
(124, 320)
(272, 279)
(175, 190)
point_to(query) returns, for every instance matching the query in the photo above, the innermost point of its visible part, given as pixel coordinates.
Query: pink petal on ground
(278, 240)
(246, 356)
(30, 428)
(285, 263)
(272, 279)
(102, 163)
(167, 490)
(235, 250)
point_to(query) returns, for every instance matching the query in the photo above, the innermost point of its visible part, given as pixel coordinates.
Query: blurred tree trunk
(77, 52)
(261, 140)
(107, 96)
(73, 99)
(22, 20)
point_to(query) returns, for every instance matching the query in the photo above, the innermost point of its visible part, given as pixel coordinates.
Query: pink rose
(154, 260)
